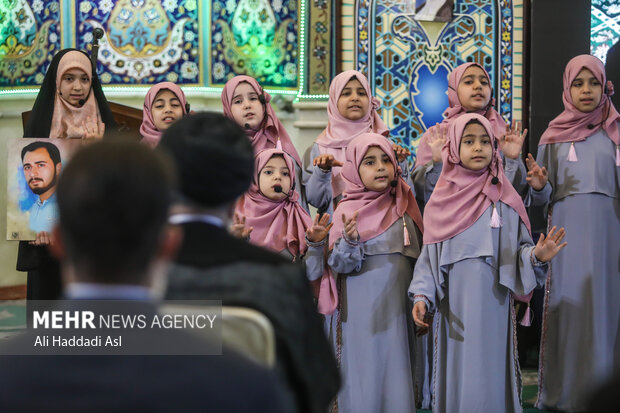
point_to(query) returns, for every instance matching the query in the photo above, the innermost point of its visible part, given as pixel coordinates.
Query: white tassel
(617, 155)
(526, 321)
(496, 221)
(279, 145)
(572, 155)
(406, 234)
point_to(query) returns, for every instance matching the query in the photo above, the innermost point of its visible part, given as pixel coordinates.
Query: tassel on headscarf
(406, 234)
(279, 145)
(572, 155)
(496, 221)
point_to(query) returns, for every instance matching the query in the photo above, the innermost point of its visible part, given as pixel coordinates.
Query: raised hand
(326, 162)
(238, 228)
(512, 141)
(319, 229)
(350, 227)
(401, 153)
(536, 176)
(547, 248)
(93, 129)
(436, 139)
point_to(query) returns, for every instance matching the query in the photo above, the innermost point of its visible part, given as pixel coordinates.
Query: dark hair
(213, 156)
(51, 149)
(113, 201)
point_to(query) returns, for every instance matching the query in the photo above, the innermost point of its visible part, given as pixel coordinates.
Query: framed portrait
(34, 166)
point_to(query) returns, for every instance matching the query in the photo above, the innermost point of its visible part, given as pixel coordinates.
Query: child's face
(166, 109)
(245, 106)
(353, 101)
(275, 174)
(376, 170)
(586, 91)
(474, 91)
(74, 86)
(476, 149)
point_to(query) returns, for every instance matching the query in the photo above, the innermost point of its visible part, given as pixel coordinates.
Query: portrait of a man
(42, 165)
(34, 166)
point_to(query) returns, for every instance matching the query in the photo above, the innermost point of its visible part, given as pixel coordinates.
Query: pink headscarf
(423, 153)
(340, 130)
(278, 225)
(150, 134)
(572, 124)
(377, 211)
(68, 120)
(462, 195)
(271, 129)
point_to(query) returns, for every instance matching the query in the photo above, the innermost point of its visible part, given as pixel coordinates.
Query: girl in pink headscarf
(351, 111)
(374, 243)
(245, 102)
(478, 253)
(577, 177)
(270, 215)
(469, 91)
(164, 104)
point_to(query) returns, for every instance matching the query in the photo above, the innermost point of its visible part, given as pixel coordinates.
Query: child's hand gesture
(401, 153)
(326, 161)
(512, 141)
(436, 139)
(93, 129)
(238, 228)
(419, 313)
(350, 227)
(319, 229)
(548, 248)
(536, 176)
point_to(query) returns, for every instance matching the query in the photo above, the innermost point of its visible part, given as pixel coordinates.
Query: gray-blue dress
(372, 331)
(581, 326)
(468, 281)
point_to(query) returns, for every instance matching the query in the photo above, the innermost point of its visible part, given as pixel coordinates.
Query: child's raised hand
(419, 312)
(326, 161)
(512, 141)
(238, 228)
(350, 227)
(548, 248)
(319, 229)
(401, 153)
(436, 139)
(536, 177)
(93, 129)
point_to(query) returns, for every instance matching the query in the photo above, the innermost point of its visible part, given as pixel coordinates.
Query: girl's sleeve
(531, 272)
(422, 286)
(317, 182)
(347, 256)
(515, 171)
(315, 259)
(424, 179)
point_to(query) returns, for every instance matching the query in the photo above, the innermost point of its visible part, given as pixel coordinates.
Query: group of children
(383, 275)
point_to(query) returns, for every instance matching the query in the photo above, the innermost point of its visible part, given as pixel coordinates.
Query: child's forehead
(74, 71)
(374, 151)
(474, 129)
(244, 88)
(276, 161)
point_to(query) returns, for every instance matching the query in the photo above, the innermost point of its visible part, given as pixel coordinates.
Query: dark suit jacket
(118, 383)
(214, 265)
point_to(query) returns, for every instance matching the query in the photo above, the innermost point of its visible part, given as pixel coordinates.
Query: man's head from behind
(113, 201)
(213, 156)
(41, 164)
